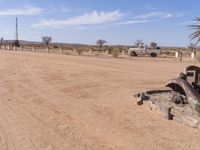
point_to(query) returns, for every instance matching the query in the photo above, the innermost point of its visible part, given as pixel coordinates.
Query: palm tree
(196, 34)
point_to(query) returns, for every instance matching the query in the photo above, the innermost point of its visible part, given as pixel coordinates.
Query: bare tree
(138, 42)
(192, 46)
(101, 42)
(46, 40)
(196, 27)
(153, 45)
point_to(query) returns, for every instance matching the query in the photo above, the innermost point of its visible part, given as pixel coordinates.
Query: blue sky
(85, 21)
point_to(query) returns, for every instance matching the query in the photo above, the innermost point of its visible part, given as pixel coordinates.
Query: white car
(144, 50)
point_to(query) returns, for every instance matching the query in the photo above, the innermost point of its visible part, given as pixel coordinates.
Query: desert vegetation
(46, 40)
(101, 42)
(138, 42)
(192, 47)
(100, 47)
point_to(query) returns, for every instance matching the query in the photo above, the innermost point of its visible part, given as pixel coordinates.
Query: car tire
(133, 54)
(153, 54)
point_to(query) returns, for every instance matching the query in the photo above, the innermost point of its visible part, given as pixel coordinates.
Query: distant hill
(53, 43)
(22, 42)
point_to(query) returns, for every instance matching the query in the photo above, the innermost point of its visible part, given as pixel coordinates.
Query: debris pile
(179, 100)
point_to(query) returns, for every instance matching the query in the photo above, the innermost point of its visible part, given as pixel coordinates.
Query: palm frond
(196, 27)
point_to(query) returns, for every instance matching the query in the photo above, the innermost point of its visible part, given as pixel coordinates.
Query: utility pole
(17, 29)
(16, 42)
(2, 40)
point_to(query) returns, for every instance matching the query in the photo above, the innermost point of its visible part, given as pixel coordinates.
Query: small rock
(141, 98)
(166, 112)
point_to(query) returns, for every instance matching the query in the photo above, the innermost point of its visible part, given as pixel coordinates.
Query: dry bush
(55, 46)
(109, 50)
(79, 51)
(198, 58)
(115, 53)
(96, 53)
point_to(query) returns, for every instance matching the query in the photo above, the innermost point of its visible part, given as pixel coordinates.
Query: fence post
(21, 48)
(75, 51)
(123, 52)
(9, 47)
(177, 54)
(47, 49)
(14, 48)
(181, 56)
(90, 51)
(61, 50)
(193, 54)
(33, 48)
(106, 51)
(4, 47)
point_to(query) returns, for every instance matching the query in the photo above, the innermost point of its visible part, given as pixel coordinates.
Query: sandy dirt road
(59, 102)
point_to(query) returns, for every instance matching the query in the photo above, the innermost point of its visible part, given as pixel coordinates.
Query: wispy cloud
(150, 7)
(128, 22)
(160, 14)
(154, 15)
(3, 31)
(28, 10)
(186, 23)
(66, 9)
(181, 14)
(93, 18)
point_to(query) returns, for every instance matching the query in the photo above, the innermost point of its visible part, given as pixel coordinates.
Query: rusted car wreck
(179, 100)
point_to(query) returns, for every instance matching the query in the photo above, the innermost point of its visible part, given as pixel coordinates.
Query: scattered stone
(161, 103)
(141, 98)
(166, 112)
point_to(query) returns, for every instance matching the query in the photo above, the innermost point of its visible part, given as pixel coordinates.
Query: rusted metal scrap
(179, 100)
(188, 84)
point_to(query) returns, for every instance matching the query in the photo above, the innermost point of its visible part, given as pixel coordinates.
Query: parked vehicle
(143, 49)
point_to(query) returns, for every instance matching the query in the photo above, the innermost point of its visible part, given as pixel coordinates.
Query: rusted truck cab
(188, 84)
(193, 76)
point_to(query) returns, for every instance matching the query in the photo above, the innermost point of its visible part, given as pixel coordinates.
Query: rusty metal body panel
(188, 84)
(183, 87)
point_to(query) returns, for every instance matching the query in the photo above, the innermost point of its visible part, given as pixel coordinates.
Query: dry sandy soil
(60, 102)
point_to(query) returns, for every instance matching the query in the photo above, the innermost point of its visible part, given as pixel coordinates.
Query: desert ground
(62, 102)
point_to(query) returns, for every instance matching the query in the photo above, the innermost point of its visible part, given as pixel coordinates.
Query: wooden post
(14, 48)
(8, 47)
(47, 49)
(193, 54)
(21, 48)
(123, 52)
(61, 50)
(106, 51)
(177, 54)
(33, 48)
(90, 51)
(75, 51)
(4, 47)
(181, 55)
